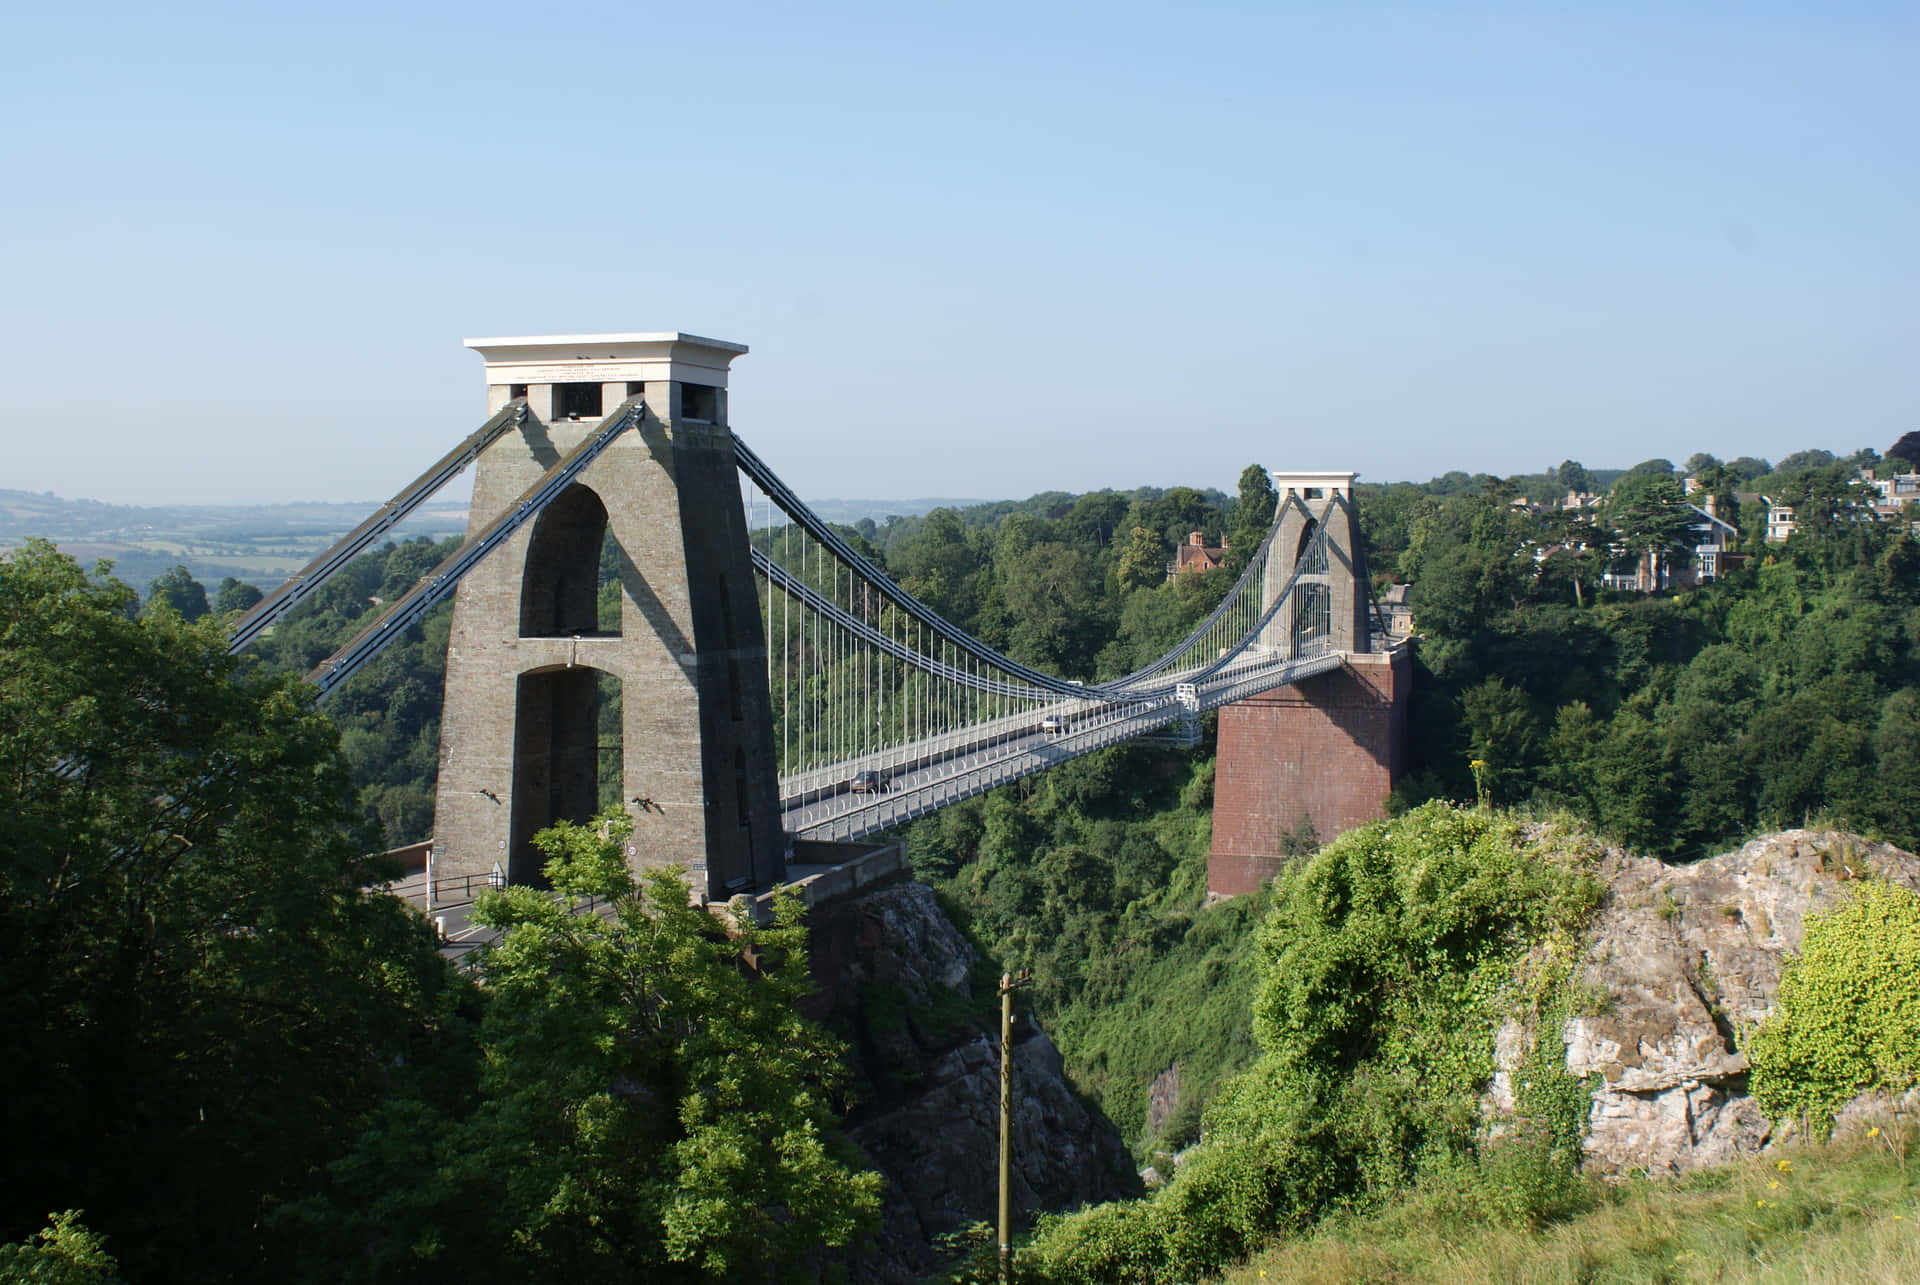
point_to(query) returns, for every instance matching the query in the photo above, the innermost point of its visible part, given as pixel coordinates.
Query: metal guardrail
(470, 886)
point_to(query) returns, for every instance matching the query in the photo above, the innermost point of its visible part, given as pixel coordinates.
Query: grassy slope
(1833, 1214)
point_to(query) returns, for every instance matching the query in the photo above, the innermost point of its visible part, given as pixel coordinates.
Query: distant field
(262, 543)
(259, 543)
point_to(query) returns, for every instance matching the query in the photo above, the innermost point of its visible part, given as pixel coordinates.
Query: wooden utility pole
(1009, 982)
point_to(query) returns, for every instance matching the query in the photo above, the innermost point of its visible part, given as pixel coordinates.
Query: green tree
(1252, 516)
(1824, 498)
(235, 595)
(179, 591)
(939, 565)
(1502, 735)
(1577, 551)
(1573, 477)
(1142, 562)
(1057, 616)
(653, 1107)
(1650, 511)
(406, 563)
(201, 1003)
(1469, 560)
(1800, 461)
(62, 1253)
(1183, 510)
(1095, 519)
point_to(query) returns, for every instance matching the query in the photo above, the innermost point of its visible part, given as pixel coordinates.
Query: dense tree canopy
(242, 1064)
(1905, 451)
(201, 1005)
(648, 1109)
(1781, 692)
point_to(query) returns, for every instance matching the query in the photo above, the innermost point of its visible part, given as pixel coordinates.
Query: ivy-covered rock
(1679, 969)
(1848, 1017)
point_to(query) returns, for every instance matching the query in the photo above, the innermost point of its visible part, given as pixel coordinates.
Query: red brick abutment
(1326, 750)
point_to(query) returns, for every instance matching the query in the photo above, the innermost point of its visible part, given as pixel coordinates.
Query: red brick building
(1196, 556)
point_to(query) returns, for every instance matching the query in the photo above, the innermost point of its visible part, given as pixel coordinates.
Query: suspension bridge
(758, 681)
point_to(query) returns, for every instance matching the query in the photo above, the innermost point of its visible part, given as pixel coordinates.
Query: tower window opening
(699, 403)
(576, 401)
(562, 589)
(635, 388)
(516, 390)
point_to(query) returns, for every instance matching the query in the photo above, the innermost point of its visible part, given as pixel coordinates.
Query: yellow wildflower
(1784, 1166)
(1874, 1132)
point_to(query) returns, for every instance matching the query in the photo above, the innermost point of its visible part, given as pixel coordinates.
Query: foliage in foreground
(1847, 1017)
(1831, 1214)
(200, 1004)
(244, 1066)
(63, 1252)
(650, 1107)
(1387, 963)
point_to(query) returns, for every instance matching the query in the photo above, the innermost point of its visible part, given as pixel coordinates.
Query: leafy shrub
(1848, 1014)
(1389, 960)
(62, 1253)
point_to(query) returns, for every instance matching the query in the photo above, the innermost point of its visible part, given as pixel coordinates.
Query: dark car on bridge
(868, 783)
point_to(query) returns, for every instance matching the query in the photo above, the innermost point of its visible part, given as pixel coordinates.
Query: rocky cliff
(1680, 965)
(920, 1010)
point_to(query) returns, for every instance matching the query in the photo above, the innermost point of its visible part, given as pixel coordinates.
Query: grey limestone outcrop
(1680, 965)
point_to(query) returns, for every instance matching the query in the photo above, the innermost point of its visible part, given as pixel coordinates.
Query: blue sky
(977, 250)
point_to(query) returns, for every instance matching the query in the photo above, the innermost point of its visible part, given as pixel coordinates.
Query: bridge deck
(931, 774)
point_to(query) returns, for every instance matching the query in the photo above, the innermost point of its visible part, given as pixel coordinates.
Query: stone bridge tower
(611, 651)
(1325, 751)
